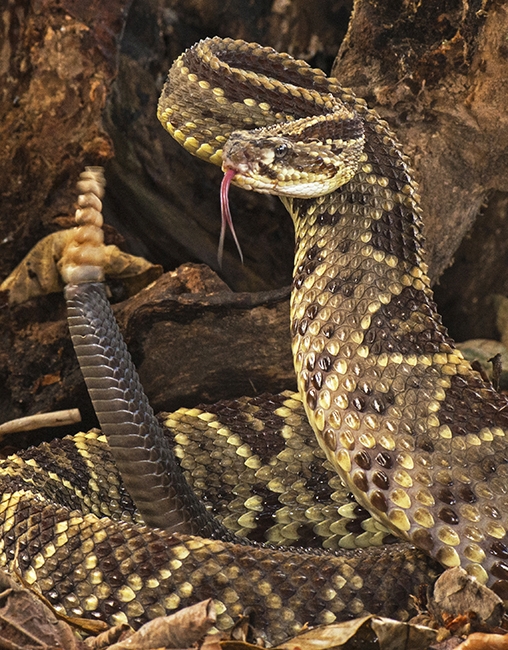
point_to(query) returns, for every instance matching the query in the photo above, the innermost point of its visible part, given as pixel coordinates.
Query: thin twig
(41, 420)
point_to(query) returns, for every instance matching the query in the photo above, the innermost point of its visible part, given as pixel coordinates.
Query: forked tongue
(227, 221)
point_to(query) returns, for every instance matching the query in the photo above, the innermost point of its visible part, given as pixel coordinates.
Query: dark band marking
(264, 519)
(463, 410)
(286, 68)
(396, 234)
(385, 336)
(54, 457)
(236, 89)
(383, 162)
(312, 259)
(345, 129)
(317, 480)
(265, 444)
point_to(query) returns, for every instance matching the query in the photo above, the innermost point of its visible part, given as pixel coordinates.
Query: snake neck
(373, 361)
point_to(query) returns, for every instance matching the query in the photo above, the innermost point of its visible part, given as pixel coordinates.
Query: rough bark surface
(438, 72)
(79, 85)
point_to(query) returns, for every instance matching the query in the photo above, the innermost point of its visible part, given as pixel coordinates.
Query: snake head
(303, 158)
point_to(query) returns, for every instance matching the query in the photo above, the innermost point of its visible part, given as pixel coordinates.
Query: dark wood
(192, 339)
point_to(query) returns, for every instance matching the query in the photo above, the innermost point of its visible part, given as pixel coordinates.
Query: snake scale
(413, 432)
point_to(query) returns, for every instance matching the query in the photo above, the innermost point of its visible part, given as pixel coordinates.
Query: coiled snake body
(416, 434)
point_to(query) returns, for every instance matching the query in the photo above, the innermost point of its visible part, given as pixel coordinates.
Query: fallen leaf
(27, 624)
(180, 630)
(456, 594)
(483, 641)
(369, 633)
(38, 273)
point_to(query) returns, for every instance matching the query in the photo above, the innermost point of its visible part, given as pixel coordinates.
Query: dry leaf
(27, 624)
(180, 630)
(105, 639)
(482, 641)
(38, 274)
(369, 633)
(456, 593)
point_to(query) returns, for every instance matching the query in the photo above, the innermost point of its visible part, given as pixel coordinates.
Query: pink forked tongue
(227, 221)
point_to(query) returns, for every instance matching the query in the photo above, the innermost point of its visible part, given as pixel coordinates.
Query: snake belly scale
(411, 429)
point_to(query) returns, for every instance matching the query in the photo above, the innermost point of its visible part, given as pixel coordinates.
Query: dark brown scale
(328, 331)
(359, 403)
(317, 379)
(313, 252)
(381, 480)
(330, 438)
(489, 465)
(500, 587)
(360, 480)
(423, 539)
(378, 405)
(355, 526)
(500, 550)
(333, 286)
(312, 399)
(111, 606)
(360, 512)
(362, 459)
(491, 511)
(425, 444)
(384, 459)
(500, 570)
(302, 327)
(379, 501)
(449, 516)
(312, 311)
(467, 494)
(324, 362)
(445, 495)
(366, 388)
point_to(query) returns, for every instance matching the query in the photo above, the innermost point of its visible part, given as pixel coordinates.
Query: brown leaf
(27, 624)
(482, 641)
(369, 633)
(180, 630)
(38, 274)
(105, 639)
(457, 594)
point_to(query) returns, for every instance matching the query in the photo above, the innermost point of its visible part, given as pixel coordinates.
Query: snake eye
(281, 150)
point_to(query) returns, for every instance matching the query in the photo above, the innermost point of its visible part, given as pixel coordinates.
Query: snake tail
(144, 456)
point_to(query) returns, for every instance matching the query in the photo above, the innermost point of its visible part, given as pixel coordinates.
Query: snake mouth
(226, 219)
